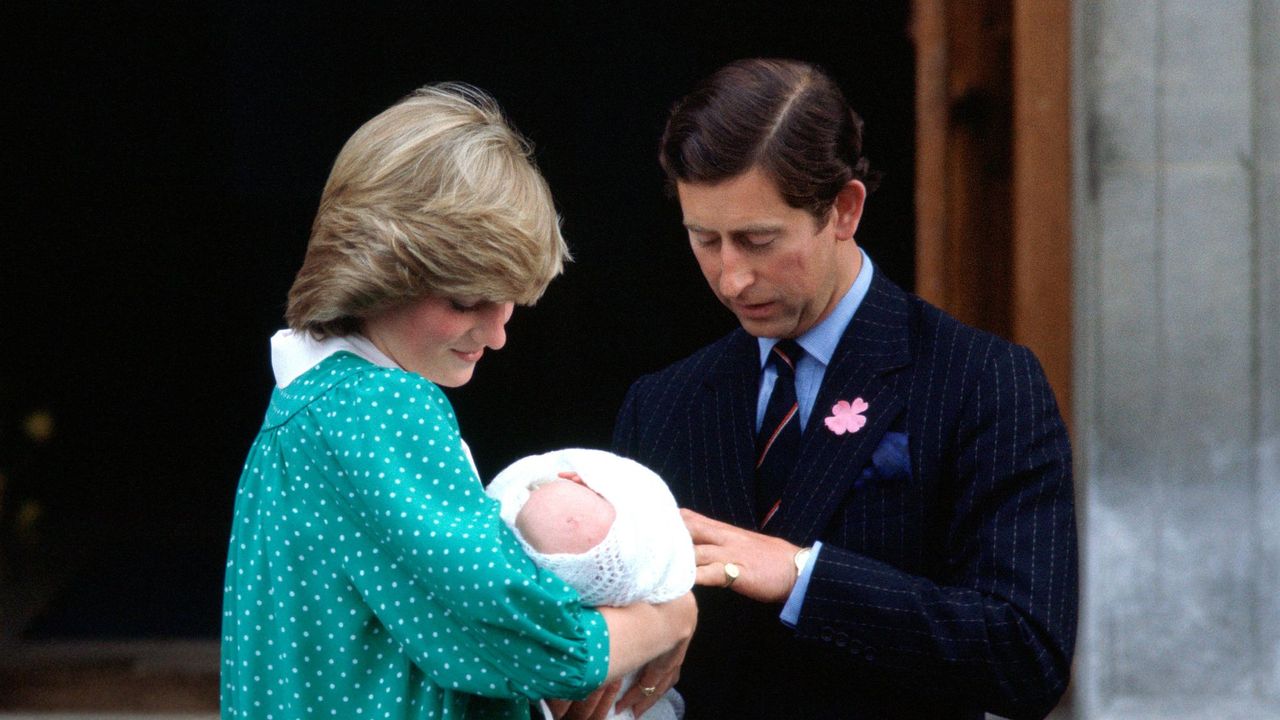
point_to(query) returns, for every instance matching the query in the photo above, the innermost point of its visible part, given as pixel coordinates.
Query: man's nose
(736, 273)
(493, 325)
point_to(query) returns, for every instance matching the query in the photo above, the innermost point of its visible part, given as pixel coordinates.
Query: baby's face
(564, 516)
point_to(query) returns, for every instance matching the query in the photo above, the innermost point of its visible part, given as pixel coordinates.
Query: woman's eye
(460, 306)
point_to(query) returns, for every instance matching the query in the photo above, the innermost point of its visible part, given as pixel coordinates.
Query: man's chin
(762, 328)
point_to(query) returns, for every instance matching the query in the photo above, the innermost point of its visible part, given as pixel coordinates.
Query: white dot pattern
(369, 576)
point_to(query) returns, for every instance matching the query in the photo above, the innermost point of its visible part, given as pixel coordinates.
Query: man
(893, 534)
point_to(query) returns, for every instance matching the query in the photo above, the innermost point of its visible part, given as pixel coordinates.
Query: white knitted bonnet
(647, 555)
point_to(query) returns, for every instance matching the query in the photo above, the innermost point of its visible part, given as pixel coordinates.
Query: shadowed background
(162, 167)
(165, 166)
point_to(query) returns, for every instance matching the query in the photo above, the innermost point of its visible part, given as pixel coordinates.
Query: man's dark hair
(786, 116)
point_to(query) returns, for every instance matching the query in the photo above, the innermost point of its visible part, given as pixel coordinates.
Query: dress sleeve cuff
(597, 644)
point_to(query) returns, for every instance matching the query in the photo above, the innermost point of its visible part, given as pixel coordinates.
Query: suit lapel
(873, 347)
(722, 436)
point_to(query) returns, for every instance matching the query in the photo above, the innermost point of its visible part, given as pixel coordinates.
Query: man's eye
(702, 238)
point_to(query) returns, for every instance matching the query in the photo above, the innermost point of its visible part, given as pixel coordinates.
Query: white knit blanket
(647, 555)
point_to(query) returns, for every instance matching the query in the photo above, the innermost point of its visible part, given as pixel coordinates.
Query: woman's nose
(493, 325)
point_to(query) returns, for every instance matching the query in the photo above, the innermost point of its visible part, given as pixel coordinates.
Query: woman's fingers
(596, 705)
(640, 701)
(659, 676)
(558, 707)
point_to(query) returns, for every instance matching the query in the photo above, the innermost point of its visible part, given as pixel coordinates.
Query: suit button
(842, 639)
(825, 634)
(855, 648)
(869, 654)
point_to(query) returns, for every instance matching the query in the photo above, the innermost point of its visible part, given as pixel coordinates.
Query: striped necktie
(778, 444)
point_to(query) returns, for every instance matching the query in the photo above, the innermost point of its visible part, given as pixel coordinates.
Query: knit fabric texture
(647, 556)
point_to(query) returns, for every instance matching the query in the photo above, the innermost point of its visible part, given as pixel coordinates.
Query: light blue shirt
(819, 345)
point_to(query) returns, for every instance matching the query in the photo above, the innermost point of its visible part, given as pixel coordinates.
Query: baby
(565, 517)
(606, 525)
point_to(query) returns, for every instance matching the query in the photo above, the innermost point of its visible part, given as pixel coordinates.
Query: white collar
(292, 354)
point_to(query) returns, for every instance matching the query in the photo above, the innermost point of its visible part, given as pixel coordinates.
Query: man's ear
(848, 206)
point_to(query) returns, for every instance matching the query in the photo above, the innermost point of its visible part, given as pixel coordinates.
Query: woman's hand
(649, 638)
(641, 632)
(659, 676)
(593, 707)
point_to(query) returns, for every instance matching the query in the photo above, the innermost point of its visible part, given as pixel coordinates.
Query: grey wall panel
(1177, 208)
(1267, 203)
(1205, 79)
(1125, 70)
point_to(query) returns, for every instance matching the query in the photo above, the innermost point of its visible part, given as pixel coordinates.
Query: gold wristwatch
(802, 559)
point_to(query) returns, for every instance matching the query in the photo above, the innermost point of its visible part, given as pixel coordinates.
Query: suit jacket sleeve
(996, 621)
(625, 429)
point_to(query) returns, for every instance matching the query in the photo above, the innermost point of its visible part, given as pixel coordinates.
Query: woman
(368, 574)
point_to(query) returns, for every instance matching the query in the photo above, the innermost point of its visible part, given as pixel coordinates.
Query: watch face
(802, 559)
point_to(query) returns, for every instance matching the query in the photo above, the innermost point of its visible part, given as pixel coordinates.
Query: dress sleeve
(444, 575)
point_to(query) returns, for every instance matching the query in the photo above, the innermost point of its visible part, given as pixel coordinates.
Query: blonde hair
(437, 194)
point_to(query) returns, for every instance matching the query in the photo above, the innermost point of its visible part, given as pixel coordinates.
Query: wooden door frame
(993, 170)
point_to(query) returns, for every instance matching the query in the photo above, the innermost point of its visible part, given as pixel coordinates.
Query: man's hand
(766, 564)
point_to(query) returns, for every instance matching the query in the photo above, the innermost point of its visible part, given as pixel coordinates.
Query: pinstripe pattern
(957, 584)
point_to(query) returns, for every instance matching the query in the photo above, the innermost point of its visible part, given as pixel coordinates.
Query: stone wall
(1177, 273)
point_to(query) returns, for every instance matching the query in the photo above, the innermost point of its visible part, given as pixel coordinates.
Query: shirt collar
(292, 354)
(820, 340)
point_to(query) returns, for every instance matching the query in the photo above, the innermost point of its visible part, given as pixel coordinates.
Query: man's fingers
(702, 528)
(711, 575)
(707, 554)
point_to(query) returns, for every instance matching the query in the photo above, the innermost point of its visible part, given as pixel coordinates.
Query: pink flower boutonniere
(847, 417)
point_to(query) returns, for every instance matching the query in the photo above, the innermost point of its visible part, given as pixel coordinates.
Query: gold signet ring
(731, 573)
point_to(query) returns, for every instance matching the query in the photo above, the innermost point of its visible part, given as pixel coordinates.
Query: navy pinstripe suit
(940, 591)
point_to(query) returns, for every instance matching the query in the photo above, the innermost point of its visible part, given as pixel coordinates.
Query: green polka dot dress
(369, 576)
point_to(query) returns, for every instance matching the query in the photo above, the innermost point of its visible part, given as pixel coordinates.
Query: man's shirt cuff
(791, 611)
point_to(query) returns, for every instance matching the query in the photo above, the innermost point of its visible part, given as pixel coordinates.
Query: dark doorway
(167, 165)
